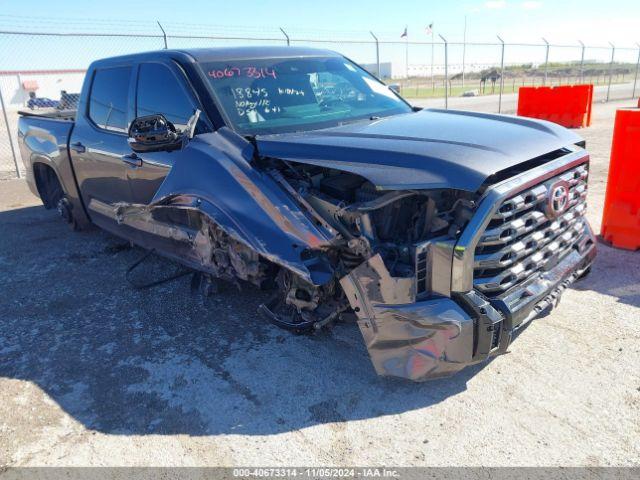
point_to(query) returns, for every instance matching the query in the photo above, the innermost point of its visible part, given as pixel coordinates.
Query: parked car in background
(40, 102)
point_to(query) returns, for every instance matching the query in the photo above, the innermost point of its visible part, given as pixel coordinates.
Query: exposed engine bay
(366, 222)
(369, 221)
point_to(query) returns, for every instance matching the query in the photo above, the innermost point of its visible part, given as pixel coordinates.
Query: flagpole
(464, 47)
(406, 55)
(432, 80)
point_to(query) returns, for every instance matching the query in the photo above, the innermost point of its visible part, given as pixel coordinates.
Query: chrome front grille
(523, 238)
(422, 279)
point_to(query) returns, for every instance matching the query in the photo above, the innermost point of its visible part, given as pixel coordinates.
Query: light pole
(501, 75)
(446, 73)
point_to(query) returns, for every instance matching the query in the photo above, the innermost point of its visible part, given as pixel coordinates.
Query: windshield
(292, 94)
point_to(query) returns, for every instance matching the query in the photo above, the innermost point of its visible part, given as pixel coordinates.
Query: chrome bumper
(420, 339)
(440, 336)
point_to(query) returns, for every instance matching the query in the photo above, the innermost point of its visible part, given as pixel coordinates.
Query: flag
(429, 29)
(404, 34)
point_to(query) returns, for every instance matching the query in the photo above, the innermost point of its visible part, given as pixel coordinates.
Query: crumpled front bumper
(439, 336)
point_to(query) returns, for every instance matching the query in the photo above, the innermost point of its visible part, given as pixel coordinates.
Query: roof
(223, 54)
(246, 53)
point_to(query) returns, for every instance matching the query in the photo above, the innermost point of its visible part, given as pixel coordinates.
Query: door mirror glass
(154, 133)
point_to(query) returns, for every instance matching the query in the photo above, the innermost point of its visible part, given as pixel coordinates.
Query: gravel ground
(95, 373)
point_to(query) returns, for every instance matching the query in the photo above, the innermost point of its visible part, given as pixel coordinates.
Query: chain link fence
(42, 69)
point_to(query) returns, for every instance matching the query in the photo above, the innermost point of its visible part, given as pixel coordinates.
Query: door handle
(78, 147)
(132, 160)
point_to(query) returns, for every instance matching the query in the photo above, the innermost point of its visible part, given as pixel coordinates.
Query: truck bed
(52, 113)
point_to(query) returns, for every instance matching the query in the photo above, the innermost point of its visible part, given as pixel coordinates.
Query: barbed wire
(62, 25)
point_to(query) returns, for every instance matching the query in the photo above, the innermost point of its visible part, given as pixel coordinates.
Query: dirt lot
(93, 372)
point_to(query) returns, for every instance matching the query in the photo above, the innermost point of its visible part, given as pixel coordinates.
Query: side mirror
(395, 87)
(153, 133)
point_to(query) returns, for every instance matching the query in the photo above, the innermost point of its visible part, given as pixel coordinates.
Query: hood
(423, 150)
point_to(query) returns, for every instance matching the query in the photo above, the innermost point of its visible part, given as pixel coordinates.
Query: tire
(53, 196)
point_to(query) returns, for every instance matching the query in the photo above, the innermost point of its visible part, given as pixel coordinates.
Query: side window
(159, 91)
(109, 98)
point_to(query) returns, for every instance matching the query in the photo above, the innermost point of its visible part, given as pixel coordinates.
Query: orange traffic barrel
(621, 217)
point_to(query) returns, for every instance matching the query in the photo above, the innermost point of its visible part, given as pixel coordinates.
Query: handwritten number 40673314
(250, 72)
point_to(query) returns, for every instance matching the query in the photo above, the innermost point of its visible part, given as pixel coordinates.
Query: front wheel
(65, 210)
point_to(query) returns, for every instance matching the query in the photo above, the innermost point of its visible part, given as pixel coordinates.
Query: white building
(16, 85)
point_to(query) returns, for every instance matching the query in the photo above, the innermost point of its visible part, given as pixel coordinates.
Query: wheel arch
(48, 184)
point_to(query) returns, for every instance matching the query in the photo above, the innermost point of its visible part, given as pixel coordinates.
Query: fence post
(6, 122)
(164, 34)
(501, 75)
(546, 62)
(581, 62)
(285, 36)
(613, 53)
(377, 54)
(446, 73)
(635, 79)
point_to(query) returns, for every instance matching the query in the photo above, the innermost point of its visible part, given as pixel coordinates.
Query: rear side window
(159, 91)
(109, 98)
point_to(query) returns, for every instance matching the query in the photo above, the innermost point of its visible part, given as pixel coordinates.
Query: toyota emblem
(558, 199)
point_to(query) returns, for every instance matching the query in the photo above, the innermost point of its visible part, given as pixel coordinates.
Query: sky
(564, 21)
(595, 22)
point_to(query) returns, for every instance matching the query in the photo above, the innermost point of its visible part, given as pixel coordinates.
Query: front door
(161, 88)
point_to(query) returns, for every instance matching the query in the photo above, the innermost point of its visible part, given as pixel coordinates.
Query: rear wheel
(52, 194)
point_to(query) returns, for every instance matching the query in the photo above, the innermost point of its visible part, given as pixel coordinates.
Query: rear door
(98, 143)
(162, 87)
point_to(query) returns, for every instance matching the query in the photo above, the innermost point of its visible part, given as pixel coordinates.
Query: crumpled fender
(213, 174)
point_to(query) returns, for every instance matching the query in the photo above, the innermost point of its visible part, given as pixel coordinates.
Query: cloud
(531, 5)
(495, 4)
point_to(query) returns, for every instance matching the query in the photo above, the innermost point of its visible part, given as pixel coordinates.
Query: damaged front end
(331, 245)
(441, 279)
(392, 258)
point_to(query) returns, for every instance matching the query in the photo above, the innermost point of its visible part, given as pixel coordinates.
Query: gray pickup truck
(441, 232)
